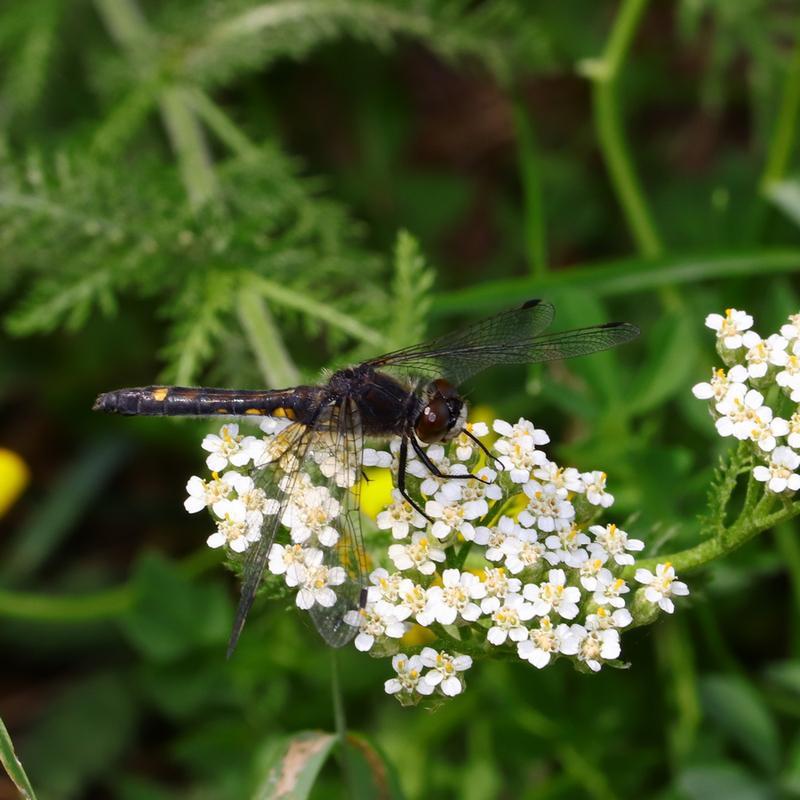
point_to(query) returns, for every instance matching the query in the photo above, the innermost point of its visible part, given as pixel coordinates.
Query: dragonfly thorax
(443, 413)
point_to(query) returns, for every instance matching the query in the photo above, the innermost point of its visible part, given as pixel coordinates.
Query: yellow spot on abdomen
(284, 412)
(222, 411)
(256, 411)
(160, 394)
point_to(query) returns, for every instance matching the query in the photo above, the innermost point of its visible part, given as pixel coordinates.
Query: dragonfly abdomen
(198, 402)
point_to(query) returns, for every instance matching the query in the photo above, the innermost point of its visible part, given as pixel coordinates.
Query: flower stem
(781, 144)
(603, 73)
(107, 604)
(530, 168)
(265, 340)
(760, 518)
(340, 721)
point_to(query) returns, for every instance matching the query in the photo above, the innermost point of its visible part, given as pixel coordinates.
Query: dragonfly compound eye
(433, 423)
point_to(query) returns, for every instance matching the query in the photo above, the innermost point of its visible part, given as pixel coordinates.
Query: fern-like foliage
(736, 462)
(161, 195)
(79, 238)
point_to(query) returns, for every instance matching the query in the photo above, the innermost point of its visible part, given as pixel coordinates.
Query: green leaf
(292, 764)
(170, 616)
(620, 277)
(13, 766)
(727, 780)
(371, 774)
(785, 196)
(411, 293)
(81, 736)
(669, 364)
(741, 715)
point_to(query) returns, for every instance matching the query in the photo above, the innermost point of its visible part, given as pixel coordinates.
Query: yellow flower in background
(14, 477)
(376, 491)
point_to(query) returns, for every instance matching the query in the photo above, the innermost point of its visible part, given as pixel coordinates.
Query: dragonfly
(412, 393)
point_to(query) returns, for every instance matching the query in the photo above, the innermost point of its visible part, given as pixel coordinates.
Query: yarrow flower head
(758, 368)
(501, 555)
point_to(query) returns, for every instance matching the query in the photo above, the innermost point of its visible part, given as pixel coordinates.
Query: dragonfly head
(443, 414)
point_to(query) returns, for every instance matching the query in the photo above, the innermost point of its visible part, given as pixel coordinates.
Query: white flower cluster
(761, 378)
(509, 559)
(512, 562)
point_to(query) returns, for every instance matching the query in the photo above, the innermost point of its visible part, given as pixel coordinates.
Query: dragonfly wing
(340, 457)
(511, 337)
(278, 479)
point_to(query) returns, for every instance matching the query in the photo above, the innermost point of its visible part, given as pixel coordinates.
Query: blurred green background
(198, 191)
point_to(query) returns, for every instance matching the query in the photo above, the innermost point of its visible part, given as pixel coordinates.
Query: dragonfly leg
(497, 462)
(401, 477)
(423, 457)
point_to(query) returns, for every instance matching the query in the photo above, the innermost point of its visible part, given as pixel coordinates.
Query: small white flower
(791, 330)
(720, 383)
(376, 458)
(609, 589)
(315, 582)
(444, 670)
(451, 514)
(603, 618)
(399, 517)
(789, 377)
(498, 585)
(413, 602)
(763, 353)
(517, 448)
(232, 529)
(596, 646)
(433, 483)
(230, 447)
(596, 492)
(385, 585)
(548, 508)
(780, 474)
(765, 433)
(454, 598)
(527, 553)
(409, 678)
(794, 430)
(553, 595)
(285, 560)
(464, 445)
(310, 513)
(741, 410)
(661, 586)
(419, 555)
(590, 569)
(507, 620)
(615, 542)
(562, 478)
(546, 641)
(376, 622)
(730, 327)
(567, 546)
(203, 494)
(493, 539)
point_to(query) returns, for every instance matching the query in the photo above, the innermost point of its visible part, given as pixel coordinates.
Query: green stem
(222, 125)
(604, 73)
(128, 27)
(530, 167)
(97, 606)
(781, 145)
(745, 528)
(265, 340)
(340, 721)
(189, 144)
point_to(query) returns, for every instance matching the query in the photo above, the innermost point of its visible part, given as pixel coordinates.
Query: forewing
(278, 479)
(341, 451)
(463, 353)
(512, 337)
